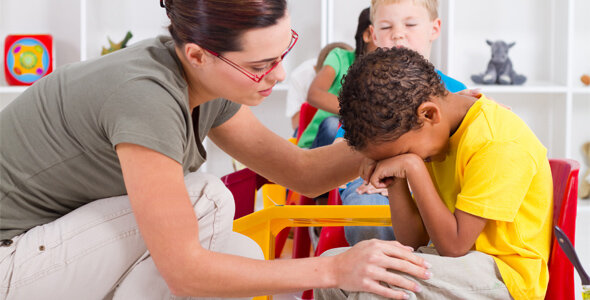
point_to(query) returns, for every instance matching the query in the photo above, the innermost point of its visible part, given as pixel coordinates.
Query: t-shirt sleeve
(142, 112)
(227, 110)
(340, 133)
(333, 59)
(496, 180)
(450, 83)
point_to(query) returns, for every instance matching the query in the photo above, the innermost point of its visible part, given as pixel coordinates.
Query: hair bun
(166, 4)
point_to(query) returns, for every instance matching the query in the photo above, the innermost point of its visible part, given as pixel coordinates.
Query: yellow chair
(264, 225)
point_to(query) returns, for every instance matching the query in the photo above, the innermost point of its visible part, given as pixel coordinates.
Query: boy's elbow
(452, 251)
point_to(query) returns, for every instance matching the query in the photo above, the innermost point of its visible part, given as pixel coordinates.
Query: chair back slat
(565, 203)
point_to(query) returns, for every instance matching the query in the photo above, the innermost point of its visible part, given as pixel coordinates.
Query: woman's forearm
(325, 168)
(222, 275)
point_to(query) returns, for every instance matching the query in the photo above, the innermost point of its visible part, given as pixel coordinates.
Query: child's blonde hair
(430, 5)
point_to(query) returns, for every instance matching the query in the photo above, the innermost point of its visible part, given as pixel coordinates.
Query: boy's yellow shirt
(497, 169)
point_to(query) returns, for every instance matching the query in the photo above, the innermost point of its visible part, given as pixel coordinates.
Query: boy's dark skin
(397, 113)
(401, 162)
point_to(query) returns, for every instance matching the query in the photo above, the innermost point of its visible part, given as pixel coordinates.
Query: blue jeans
(355, 234)
(326, 132)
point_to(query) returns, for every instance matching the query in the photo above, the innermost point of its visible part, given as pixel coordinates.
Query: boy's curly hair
(381, 94)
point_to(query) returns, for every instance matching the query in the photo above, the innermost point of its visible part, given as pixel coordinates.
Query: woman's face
(261, 48)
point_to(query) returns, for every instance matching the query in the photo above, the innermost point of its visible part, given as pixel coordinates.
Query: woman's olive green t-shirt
(58, 138)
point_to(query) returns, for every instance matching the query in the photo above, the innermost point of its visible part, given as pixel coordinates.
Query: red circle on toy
(27, 58)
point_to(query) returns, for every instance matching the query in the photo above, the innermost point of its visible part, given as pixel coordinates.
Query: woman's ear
(429, 112)
(195, 54)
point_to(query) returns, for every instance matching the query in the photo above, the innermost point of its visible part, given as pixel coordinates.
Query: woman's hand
(470, 92)
(477, 93)
(365, 265)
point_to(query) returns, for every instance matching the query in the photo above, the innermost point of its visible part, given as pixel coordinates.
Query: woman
(121, 125)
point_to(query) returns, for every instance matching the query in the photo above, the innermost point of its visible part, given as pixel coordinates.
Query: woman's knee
(204, 186)
(239, 244)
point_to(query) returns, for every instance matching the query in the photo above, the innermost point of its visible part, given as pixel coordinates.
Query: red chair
(306, 114)
(565, 204)
(243, 184)
(301, 240)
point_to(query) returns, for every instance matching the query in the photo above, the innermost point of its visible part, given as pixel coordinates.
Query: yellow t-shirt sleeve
(496, 180)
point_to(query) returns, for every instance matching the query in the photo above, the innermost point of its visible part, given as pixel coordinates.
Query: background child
(326, 86)
(301, 78)
(480, 178)
(413, 24)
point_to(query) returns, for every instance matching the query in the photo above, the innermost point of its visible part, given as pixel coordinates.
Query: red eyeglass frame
(254, 77)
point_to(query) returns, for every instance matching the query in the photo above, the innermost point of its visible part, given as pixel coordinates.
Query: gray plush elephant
(500, 67)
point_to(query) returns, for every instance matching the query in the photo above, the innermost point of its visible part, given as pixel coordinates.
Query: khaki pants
(97, 252)
(472, 276)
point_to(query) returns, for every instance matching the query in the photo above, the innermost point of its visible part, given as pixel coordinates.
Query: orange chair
(565, 204)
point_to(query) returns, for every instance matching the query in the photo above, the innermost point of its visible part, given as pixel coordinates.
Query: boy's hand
(366, 169)
(365, 265)
(368, 188)
(387, 170)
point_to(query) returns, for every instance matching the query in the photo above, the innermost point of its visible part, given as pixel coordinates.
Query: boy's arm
(405, 217)
(453, 234)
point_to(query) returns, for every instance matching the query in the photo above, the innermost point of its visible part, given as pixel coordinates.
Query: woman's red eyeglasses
(255, 77)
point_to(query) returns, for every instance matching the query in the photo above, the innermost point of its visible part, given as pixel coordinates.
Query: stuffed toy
(500, 67)
(584, 190)
(116, 46)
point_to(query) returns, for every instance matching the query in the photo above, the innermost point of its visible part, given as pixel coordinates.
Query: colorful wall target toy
(27, 58)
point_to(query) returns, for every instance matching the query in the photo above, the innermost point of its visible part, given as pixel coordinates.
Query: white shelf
(581, 90)
(12, 89)
(583, 205)
(538, 88)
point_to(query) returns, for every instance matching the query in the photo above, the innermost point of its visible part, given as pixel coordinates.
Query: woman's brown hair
(218, 25)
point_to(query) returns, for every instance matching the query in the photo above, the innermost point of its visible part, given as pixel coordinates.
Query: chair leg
(301, 242)
(280, 241)
(331, 237)
(307, 295)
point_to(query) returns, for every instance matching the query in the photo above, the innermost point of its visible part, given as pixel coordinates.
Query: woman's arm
(169, 227)
(453, 234)
(309, 172)
(318, 95)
